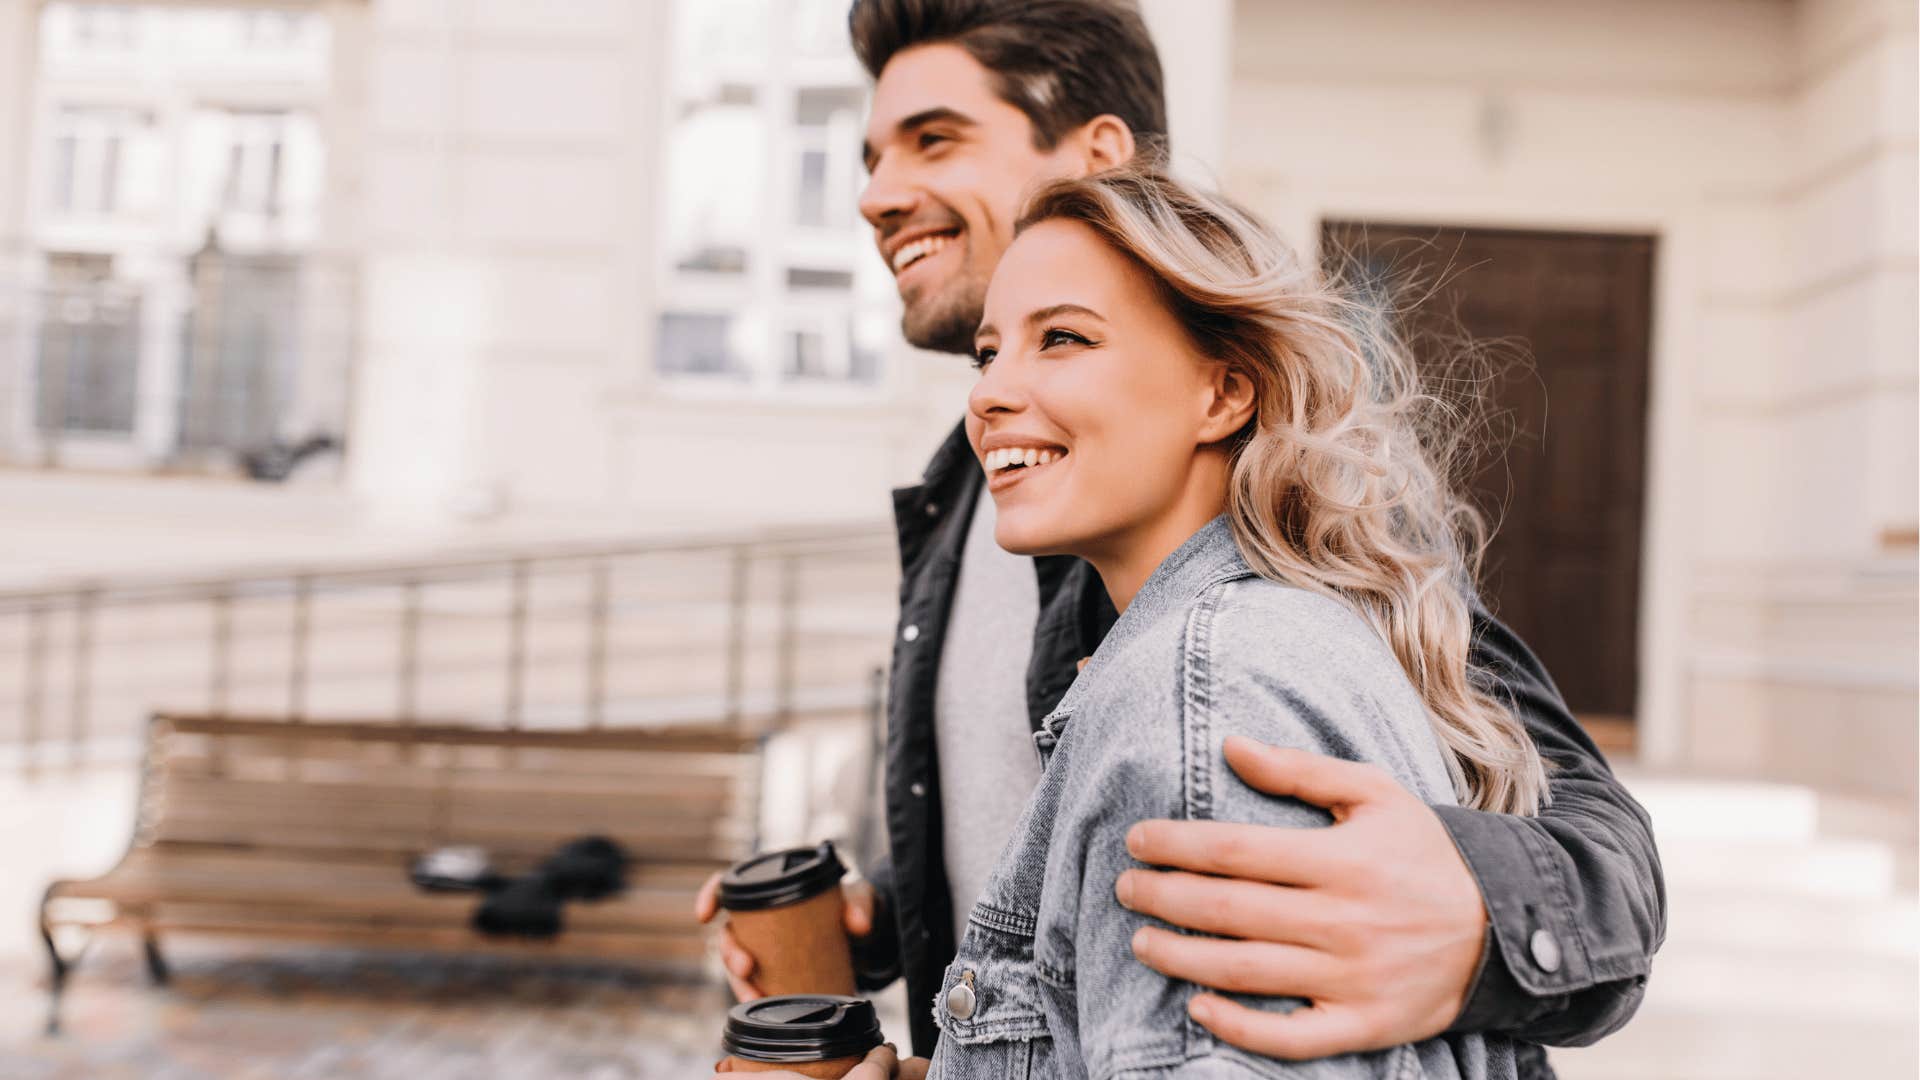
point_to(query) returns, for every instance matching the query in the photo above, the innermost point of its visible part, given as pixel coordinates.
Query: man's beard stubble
(946, 323)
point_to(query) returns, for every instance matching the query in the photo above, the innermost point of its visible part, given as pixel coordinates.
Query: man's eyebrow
(939, 114)
(1057, 310)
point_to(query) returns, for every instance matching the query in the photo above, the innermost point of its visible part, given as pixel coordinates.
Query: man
(1441, 918)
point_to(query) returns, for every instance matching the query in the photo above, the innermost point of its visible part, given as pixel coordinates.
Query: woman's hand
(1376, 919)
(856, 916)
(882, 1064)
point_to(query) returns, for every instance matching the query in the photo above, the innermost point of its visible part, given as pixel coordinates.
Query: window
(88, 342)
(766, 265)
(88, 155)
(256, 153)
(700, 343)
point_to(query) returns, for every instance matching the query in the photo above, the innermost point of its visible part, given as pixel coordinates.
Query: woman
(1168, 393)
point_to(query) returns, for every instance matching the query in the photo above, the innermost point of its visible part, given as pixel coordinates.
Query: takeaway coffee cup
(784, 907)
(823, 1035)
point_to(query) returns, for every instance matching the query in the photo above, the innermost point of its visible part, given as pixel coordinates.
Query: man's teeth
(1028, 456)
(917, 250)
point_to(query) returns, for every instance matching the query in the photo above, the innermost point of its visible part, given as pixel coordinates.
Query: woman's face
(1089, 383)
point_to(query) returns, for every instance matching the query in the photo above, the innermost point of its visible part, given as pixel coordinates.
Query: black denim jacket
(1574, 895)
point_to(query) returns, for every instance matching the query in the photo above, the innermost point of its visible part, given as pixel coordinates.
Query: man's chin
(940, 326)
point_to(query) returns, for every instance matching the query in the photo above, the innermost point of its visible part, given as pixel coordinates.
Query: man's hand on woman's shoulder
(1376, 919)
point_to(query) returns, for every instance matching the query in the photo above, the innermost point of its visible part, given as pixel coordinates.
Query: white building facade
(565, 314)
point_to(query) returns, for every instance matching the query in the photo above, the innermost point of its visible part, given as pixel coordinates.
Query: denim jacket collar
(1209, 555)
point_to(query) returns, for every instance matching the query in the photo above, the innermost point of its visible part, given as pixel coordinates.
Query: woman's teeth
(917, 250)
(1022, 456)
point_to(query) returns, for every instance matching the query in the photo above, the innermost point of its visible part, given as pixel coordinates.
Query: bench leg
(56, 980)
(156, 963)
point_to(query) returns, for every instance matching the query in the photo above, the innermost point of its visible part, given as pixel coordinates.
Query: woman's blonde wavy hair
(1340, 482)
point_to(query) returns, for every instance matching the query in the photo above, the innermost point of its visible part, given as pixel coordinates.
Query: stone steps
(1793, 943)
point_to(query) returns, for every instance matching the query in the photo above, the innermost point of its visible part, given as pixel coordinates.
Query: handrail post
(297, 661)
(602, 583)
(34, 703)
(220, 662)
(519, 569)
(736, 674)
(408, 674)
(787, 645)
(80, 701)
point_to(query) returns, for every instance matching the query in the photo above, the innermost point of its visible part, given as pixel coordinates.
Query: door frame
(1679, 271)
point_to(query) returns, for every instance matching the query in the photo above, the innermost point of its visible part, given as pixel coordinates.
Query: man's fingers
(857, 914)
(1300, 1035)
(734, 956)
(1237, 967)
(1225, 906)
(879, 1065)
(1301, 774)
(743, 989)
(707, 904)
(1282, 855)
(739, 965)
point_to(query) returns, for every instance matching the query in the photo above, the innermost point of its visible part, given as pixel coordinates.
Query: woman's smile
(1009, 461)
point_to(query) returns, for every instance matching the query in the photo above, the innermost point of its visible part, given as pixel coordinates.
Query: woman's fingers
(1225, 906)
(1300, 1035)
(1285, 856)
(1237, 967)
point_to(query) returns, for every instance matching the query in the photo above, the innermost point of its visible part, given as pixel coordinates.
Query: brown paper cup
(800, 948)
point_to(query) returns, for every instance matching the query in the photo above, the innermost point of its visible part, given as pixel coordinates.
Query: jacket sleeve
(876, 957)
(1574, 896)
(1187, 777)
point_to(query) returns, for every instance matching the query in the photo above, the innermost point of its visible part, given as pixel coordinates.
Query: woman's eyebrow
(1057, 310)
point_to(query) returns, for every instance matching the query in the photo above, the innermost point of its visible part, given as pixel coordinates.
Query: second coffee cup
(785, 909)
(817, 1035)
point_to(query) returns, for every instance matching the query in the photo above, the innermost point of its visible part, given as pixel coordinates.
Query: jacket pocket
(992, 1022)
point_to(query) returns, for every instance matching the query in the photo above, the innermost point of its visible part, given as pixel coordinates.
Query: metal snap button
(1546, 951)
(911, 633)
(960, 1000)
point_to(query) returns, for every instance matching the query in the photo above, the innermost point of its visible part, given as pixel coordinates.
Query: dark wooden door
(1566, 489)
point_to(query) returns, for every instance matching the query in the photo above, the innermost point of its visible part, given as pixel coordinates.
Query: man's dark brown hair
(1061, 62)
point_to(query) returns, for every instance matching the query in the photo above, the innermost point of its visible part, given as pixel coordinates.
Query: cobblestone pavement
(287, 1015)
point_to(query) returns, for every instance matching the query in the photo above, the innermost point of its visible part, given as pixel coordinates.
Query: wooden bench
(306, 831)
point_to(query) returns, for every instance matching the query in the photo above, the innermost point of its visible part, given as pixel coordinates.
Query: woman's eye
(929, 138)
(983, 357)
(1061, 337)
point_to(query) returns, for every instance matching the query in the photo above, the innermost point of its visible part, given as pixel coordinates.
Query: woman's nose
(997, 392)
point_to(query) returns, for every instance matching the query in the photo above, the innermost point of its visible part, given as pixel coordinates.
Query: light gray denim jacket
(1049, 984)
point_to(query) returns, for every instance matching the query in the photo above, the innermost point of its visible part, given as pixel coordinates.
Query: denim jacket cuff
(1534, 958)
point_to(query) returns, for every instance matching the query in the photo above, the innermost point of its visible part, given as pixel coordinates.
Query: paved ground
(229, 1015)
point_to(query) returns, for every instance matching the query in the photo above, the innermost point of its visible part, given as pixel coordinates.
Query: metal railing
(754, 631)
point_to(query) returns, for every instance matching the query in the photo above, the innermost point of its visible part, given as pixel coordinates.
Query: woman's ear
(1230, 404)
(1108, 143)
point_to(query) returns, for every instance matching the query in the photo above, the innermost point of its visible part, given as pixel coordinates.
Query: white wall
(1767, 146)
(504, 197)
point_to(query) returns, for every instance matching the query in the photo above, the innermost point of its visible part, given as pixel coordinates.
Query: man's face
(949, 162)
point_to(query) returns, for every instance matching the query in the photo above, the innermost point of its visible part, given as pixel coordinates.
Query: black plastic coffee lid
(801, 1028)
(779, 878)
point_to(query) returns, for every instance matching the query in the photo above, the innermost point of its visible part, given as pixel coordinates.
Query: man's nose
(886, 196)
